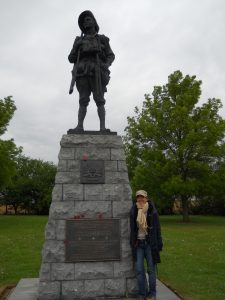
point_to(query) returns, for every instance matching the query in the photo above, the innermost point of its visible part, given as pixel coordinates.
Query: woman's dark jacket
(153, 235)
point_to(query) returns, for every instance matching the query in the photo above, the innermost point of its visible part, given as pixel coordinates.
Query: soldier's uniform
(92, 56)
(90, 67)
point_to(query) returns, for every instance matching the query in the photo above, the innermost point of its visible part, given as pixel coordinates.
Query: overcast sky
(150, 39)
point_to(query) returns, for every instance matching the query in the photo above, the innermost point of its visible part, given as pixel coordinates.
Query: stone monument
(86, 254)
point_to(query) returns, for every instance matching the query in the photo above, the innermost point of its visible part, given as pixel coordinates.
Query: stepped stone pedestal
(86, 254)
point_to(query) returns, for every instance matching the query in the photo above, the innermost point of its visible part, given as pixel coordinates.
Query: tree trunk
(15, 209)
(185, 209)
(6, 209)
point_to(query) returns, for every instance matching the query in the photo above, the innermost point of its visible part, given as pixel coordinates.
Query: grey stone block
(73, 192)
(122, 166)
(72, 290)
(53, 251)
(60, 229)
(116, 177)
(49, 291)
(57, 192)
(111, 192)
(61, 210)
(92, 209)
(66, 153)
(67, 177)
(118, 154)
(121, 209)
(94, 270)
(93, 192)
(50, 230)
(132, 287)
(107, 141)
(45, 272)
(127, 192)
(117, 192)
(73, 165)
(94, 288)
(62, 271)
(124, 228)
(124, 268)
(115, 287)
(111, 165)
(92, 153)
(62, 165)
(126, 250)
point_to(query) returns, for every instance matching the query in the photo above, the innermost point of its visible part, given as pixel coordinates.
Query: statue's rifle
(98, 74)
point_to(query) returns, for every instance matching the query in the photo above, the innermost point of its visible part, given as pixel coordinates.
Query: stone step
(26, 289)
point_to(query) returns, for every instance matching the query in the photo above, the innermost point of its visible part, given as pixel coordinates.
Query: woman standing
(146, 243)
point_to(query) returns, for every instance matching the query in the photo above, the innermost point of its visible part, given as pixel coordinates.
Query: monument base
(27, 289)
(92, 132)
(87, 254)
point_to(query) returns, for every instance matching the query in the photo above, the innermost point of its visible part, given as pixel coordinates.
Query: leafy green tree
(8, 149)
(173, 146)
(32, 185)
(211, 199)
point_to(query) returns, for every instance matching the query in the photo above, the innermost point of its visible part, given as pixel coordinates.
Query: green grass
(193, 258)
(21, 241)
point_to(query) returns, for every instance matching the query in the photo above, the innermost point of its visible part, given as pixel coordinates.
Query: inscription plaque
(92, 240)
(92, 171)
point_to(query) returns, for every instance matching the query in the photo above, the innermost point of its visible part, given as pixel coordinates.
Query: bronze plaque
(92, 240)
(92, 171)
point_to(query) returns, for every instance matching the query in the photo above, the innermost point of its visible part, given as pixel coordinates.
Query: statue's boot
(81, 115)
(101, 114)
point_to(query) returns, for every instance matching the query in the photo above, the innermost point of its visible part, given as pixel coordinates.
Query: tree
(173, 146)
(32, 185)
(211, 199)
(8, 149)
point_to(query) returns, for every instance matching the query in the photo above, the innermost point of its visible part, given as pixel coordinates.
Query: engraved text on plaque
(92, 240)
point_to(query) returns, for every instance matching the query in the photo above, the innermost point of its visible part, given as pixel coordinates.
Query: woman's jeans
(144, 252)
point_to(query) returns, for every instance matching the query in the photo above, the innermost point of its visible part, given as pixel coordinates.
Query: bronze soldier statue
(92, 56)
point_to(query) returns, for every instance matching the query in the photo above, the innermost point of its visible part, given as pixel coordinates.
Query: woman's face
(141, 200)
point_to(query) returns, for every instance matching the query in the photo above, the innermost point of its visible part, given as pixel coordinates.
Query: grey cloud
(151, 39)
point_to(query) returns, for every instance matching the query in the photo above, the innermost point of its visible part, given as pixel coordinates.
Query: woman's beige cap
(142, 193)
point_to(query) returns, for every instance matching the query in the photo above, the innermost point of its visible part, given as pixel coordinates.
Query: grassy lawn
(21, 241)
(193, 258)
